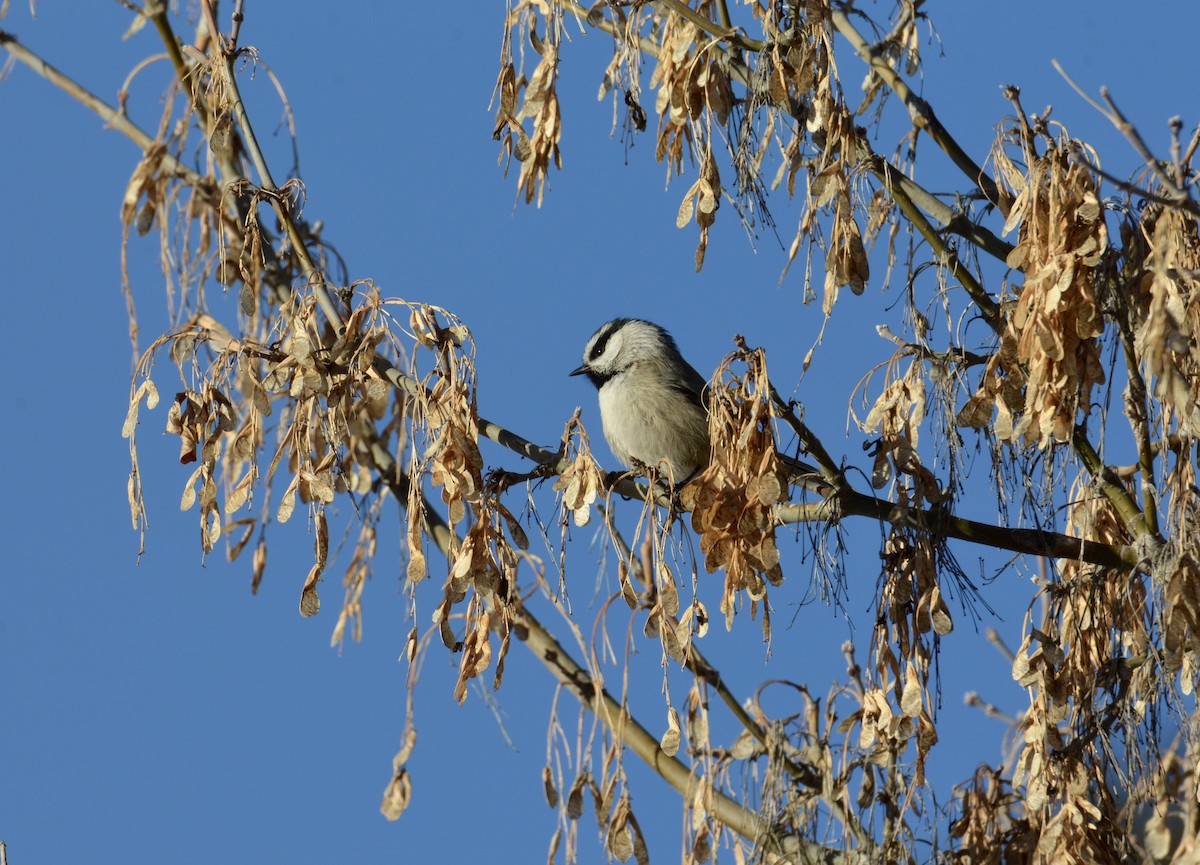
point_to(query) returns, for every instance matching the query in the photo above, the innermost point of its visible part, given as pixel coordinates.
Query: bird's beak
(581, 371)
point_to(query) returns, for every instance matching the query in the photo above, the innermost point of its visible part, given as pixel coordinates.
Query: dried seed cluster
(1048, 362)
(733, 500)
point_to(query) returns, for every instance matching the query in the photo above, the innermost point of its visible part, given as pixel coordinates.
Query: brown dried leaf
(700, 613)
(942, 623)
(910, 699)
(670, 738)
(687, 206)
(258, 565)
(310, 604)
(667, 592)
(514, 528)
(866, 787)
(189, 490)
(744, 746)
(1020, 665)
(619, 840)
(146, 389)
(287, 503)
(575, 796)
(640, 853)
(397, 795)
(670, 640)
(417, 568)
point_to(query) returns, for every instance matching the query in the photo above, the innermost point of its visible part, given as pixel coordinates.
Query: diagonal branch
(113, 118)
(725, 33)
(988, 307)
(1174, 195)
(906, 191)
(1111, 487)
(740, 819)
(919, 111)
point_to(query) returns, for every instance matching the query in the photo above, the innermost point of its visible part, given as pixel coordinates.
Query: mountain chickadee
(651, 399)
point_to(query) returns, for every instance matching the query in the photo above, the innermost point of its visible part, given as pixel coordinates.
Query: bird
(652, 402)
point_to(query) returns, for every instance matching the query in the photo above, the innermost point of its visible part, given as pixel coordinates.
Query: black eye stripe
(602, 339)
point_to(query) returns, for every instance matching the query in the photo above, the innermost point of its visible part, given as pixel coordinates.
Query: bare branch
(1027, 541)
(112, 117)
(1175, 195)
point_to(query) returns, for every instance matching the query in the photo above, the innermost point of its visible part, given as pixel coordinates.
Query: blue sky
(155, 710)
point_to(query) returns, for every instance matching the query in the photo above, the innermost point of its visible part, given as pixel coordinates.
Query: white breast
(647, 421)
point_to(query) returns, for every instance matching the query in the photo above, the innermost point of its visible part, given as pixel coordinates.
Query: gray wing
(692, 385)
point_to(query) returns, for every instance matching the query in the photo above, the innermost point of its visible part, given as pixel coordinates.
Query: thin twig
(1127, 509)
(695, 661)
(1019, 540)
(639, 740)
(1175, 195)
(723, 14)
(894, 181)
(214, 32)
(1138, 414)
(235, 28)
(1135, 139)
(1190, 151)
(1188, 204)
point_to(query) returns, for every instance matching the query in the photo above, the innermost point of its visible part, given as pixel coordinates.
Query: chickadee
(651, 399)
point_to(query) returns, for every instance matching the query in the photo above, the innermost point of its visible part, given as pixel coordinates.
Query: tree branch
(1034, 542)
(892, 179)
(1138, 413)
(1175, 196)
(1127, 509)
(896, 183)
